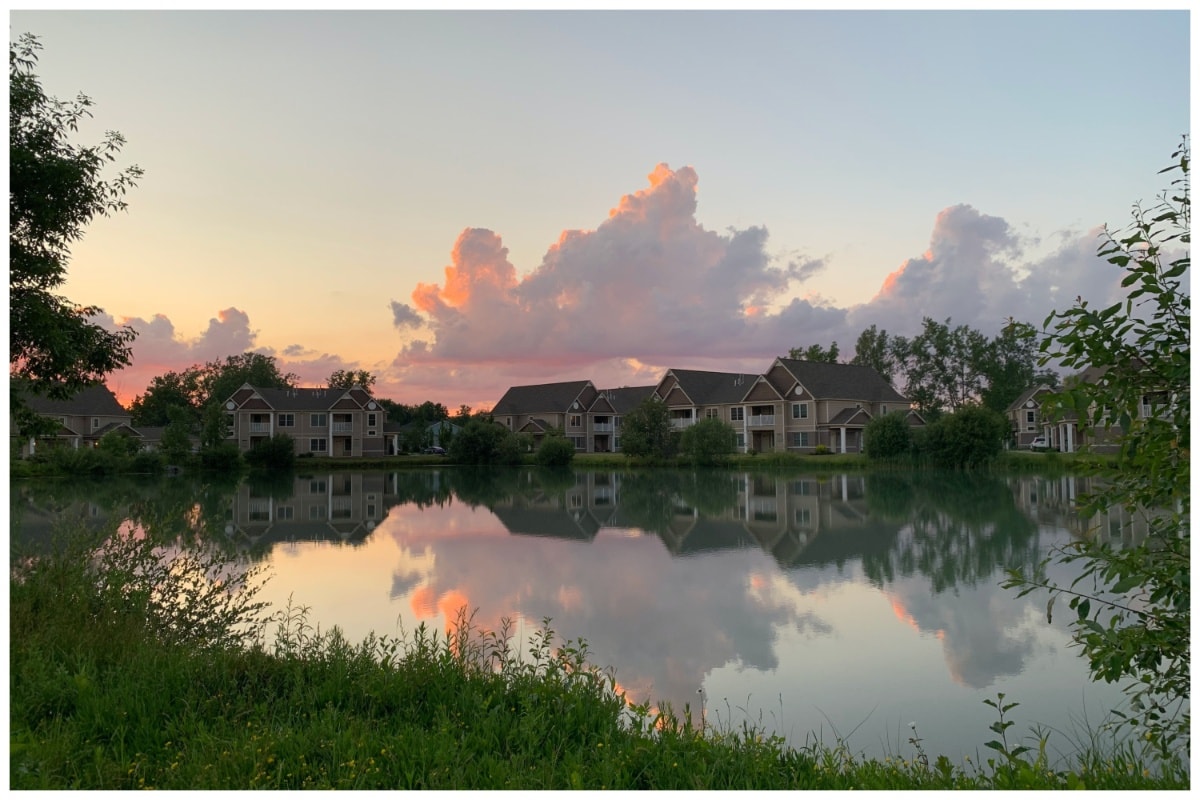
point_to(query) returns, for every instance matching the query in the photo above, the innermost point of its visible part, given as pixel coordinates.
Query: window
(1029, 417)
(741, 439)
(316, 420)
(285, 513)
(883, 409)
(317, 445)
(799, 438)
(370, 510)
(804, 438)
(712, 413)
(616, 443)
(578, 442)
(575, 423)
(370, 420)
(287, 420)
(508, 422)
(799, 410)
(316, 487)
(95, 423)
(737, 414)
(316, 512)
(803, 516)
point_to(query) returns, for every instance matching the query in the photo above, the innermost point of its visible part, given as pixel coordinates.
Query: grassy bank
(130, 670)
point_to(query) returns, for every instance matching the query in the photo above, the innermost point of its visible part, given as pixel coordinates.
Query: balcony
(763, 420)
(343, 427)
(682, 422)
(260, 427)
(602, 427)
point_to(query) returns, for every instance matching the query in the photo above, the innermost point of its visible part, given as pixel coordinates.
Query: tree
(874, 349)
(481, 442)
(815, 353)
(646, 431)
(1010, 365)
(220, 379)
(56, 188)
(346, 379)
(888, 436)
(167, 391)
(709, 441)
(274, 453)
(176, 444)
(202, 385)
(1134, 624)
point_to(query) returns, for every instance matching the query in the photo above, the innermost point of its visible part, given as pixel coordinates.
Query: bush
(275, 453)
(821, 450)
(646, 431)
(147, 462)
(709, 441)
(888, 436)
(224, 457)
(481, 443)
(555, 451)
(971, 437)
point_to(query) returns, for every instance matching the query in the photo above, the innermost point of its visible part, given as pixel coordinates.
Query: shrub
(821, 450)
(709, 441)
(555, 451)
(481, 442)
(275, 453)
(970, 437)
(147, 462)
(224, 457)
(888, 436)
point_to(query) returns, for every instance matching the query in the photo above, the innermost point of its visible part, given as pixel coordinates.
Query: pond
(835, 606)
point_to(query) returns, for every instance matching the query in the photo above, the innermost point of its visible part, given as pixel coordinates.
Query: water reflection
(849, 594)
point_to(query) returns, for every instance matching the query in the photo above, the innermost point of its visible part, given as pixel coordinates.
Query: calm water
(844, 605)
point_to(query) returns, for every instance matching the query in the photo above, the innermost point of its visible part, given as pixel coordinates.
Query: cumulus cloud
(649, 282)
(651, 285)
(159, 349)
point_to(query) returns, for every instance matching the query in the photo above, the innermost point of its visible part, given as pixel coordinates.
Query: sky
(461, 201)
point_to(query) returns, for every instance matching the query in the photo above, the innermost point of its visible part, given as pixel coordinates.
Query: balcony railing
(763, 419)
(602, 427)
(343, 427)
(260, 427)
(682, 422)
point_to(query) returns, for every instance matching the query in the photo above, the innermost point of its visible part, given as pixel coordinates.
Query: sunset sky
(460, 201)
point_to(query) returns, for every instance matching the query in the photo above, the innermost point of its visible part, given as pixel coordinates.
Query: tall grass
(134, 665)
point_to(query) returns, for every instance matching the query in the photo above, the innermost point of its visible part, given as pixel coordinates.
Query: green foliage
(646, 431)
(709, 441)
(815, 353)
(888, 436)
(119, 444)
(56, 189)
(971, 437)
(274, 453)
(176, 443)
(224, 458)
(875, 349)
(481, 442)
(214, 430)
(555, 451)
(203, 385)
(1133, 609)
(1009, 365)
(347, 379)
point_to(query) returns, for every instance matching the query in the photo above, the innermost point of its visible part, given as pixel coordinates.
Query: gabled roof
(851, 416)
(626, 398)
(554, 398)
(713, 388)
(841, 381)
(112, 426)
(302, 399)
(93, 401)
(1027, 395)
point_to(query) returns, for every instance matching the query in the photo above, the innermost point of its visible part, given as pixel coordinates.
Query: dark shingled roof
(302, 399)
(551, 397)
(627, 398)
(847, 417)
(842, 381)
(94, 401)
(713, 388)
